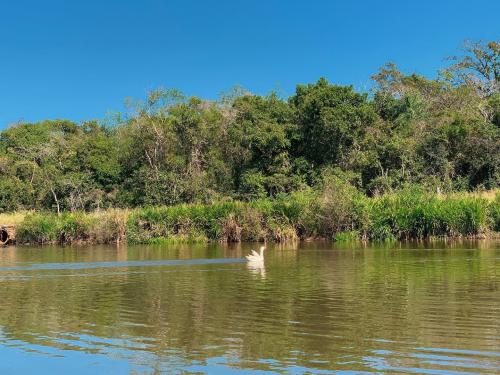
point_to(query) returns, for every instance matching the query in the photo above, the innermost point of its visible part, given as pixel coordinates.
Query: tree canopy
(440, 133)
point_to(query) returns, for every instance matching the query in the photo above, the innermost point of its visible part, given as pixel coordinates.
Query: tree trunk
(57, 201)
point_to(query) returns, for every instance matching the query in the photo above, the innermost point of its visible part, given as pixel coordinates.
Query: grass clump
(178, 239)
(338, 212)
(348, 236)
(494, 213)
(414, 214)
(39, 228)
(273, 220)
(75, 227)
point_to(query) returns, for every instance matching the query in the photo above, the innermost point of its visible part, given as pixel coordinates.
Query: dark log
(7, 235)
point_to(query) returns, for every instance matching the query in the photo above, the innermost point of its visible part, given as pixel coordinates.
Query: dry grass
(489, 195)
(109, 226)
(12, 218)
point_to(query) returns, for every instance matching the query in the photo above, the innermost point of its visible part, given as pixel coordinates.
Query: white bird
(256, 257)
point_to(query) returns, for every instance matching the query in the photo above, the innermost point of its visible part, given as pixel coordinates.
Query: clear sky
(80, 59)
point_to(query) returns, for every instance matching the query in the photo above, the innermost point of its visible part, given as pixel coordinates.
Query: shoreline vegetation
(342, 214)
(414, 157)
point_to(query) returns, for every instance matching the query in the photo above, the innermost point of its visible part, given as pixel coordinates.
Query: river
(314, 308)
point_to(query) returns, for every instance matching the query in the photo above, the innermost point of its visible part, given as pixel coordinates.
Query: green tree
(331, 119)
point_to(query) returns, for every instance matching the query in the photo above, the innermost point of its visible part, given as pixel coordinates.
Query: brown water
(313, 308)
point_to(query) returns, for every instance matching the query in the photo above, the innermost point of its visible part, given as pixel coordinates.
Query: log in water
(7, 234)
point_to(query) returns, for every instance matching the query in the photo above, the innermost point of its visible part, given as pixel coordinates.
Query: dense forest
(440, 134)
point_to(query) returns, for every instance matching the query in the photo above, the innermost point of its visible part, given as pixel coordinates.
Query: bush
(98, 227)
(38, 228)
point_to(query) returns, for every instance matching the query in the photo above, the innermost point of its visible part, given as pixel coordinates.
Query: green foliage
(331, 120)
(49, 228)
(259, 220)
(416, 214)
(494, 213)
(74, 227)
(15, 194)
(38, 228)
(338, 211)
(349, 236)
(441, 134)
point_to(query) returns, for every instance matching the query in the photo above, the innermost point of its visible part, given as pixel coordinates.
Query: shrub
(38, 228)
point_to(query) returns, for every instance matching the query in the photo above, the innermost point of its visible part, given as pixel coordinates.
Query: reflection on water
(257, 269)
(311, 308)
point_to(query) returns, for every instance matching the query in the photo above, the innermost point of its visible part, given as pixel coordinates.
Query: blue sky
(80, 59)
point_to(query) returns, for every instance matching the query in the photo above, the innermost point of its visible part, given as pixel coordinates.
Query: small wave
(133, 263)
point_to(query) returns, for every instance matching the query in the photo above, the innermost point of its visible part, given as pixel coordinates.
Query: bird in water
(256, 257)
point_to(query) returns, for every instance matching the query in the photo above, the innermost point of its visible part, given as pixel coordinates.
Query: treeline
(441, 134)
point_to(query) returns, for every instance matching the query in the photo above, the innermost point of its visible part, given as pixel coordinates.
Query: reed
(76, 227)
(494, 213)
(337, 213)
(415, 214)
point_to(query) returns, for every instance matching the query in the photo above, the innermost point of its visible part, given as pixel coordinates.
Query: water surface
(313, 308)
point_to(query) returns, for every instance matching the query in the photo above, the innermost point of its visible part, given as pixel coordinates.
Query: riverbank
(342, 215)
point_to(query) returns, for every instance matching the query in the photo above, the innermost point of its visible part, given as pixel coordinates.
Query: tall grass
(12, 218)
(494, 213)
(415, 214)
(96, 227)
(273, 220)
(337, 212)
